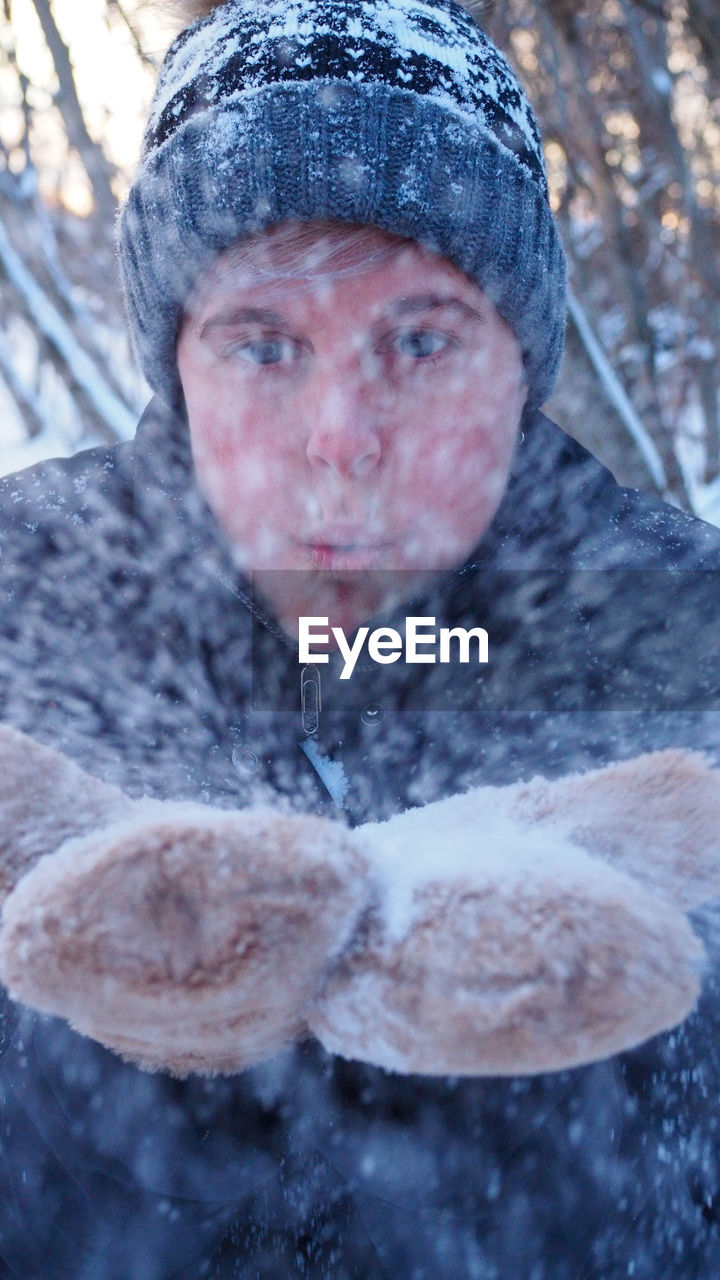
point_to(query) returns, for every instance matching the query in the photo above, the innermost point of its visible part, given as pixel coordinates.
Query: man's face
(353, 402)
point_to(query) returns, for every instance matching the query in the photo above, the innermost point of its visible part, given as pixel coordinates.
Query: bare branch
(116, 7)
(617, 395)
(95, 163)
(117, 418)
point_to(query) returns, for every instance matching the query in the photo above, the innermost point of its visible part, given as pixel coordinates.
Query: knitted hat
(399, 114)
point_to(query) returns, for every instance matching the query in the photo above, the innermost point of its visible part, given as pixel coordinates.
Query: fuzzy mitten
(656, 816)
(533, 927)
(509, 930)
(44, 799)
(185, 938)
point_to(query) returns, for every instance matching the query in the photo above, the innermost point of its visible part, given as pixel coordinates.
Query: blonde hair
(322, 246)
(328, 242)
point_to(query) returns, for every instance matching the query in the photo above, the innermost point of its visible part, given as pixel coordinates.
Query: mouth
(345, 556)
(344, 547)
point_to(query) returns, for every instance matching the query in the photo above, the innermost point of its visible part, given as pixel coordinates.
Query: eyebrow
(233, 316)
(239, 315)
(431, 301)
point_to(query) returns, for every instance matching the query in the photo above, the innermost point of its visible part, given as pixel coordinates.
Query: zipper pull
(310, 700)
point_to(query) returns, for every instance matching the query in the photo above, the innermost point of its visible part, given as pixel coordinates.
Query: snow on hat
(400, 114)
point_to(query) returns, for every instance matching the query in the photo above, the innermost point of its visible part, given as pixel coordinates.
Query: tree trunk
(704, 22)
(94, 161)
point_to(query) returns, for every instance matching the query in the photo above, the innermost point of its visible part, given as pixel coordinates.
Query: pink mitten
(503, 947)
(509, 930)
(44, 799)
(185, 938)
(657, 816)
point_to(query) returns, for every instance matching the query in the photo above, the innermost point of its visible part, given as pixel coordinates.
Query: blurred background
(627, 93)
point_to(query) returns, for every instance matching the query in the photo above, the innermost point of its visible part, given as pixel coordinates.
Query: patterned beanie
(399, 114)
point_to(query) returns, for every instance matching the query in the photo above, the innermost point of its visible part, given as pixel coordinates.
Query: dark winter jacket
(128, 640)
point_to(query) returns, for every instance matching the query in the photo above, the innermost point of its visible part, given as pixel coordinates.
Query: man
(363, 396)
(347, 292)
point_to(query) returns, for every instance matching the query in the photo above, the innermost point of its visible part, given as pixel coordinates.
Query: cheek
(461, 446)
(494, 390)
(233, 450)
(461, 476)
(455, 477)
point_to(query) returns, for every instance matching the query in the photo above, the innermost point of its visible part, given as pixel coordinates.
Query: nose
(343, 434)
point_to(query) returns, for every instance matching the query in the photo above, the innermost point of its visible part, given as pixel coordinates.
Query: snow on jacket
(128, 640)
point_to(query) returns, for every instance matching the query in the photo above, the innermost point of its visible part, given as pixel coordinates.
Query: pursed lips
(344, 547)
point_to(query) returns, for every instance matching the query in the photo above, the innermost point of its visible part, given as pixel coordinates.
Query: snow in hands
(508, 930)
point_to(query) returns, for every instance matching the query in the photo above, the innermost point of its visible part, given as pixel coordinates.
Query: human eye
(419, 344)
(266, 350)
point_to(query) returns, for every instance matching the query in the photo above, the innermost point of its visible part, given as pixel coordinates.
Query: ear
(45, 799)
(656, 816)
